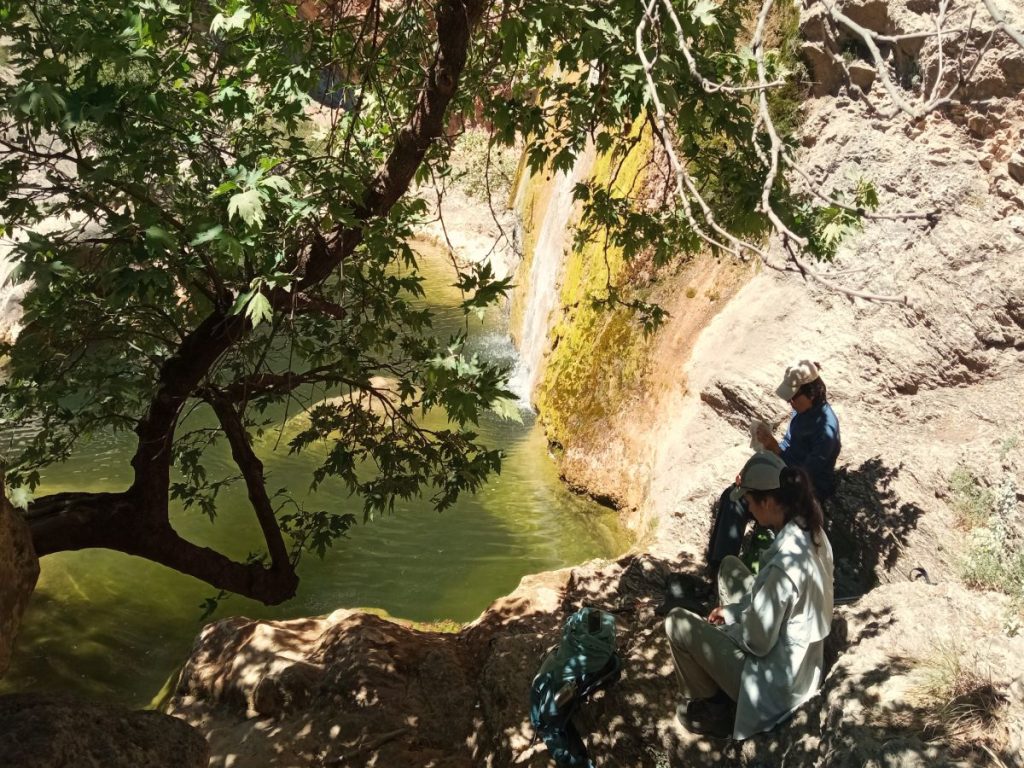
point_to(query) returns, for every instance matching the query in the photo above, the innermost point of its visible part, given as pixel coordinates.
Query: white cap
(797, 374)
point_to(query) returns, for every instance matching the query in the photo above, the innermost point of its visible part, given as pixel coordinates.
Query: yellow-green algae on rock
(598, 352)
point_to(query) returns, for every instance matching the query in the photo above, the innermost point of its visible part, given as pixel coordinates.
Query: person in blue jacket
(812, 442)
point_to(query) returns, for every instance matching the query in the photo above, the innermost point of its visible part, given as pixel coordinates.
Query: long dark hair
(796, 497)
(815, 390)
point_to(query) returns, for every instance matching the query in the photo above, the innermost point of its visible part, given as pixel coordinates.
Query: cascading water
(544, 269)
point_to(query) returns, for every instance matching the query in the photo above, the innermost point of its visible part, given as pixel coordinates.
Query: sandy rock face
(837, 55)
(38, 731)
(378, 693)
(331, 689)
(19, 569)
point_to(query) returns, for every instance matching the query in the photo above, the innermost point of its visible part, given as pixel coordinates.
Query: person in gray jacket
(759, 654)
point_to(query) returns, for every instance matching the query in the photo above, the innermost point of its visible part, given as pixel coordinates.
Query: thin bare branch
(775, 160)
(815, 189)
(1002, 24)
(769, 127)
(810, 272)
(709, 86)
(252, 470)
(869, 40)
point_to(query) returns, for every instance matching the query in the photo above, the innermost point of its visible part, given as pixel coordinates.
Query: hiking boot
(712, 717)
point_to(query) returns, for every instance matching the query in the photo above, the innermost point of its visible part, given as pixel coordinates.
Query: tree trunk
(72, 521)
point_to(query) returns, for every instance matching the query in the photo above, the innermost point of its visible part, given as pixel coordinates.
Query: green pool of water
(109, 626)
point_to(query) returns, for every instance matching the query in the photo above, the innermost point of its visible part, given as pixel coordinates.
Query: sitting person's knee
(732, 563)
(679, 625)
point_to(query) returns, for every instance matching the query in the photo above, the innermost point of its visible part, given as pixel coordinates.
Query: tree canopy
(194, 235)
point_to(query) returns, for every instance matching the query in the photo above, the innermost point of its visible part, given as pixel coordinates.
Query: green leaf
(866, 195)
(669, 97)
(207, 235)
(259, 309)
(20, 497)
(159, 236)
(249, 207)
(242, 300)
(277, 182)
(508, 409)
(833, 232)
(704, 12)
(227, 186)
(236, 20)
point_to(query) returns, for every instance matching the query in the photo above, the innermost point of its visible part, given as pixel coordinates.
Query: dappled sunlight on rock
(373, 690)
(388, 695)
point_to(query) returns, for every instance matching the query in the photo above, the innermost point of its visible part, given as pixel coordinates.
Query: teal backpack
(583, 662)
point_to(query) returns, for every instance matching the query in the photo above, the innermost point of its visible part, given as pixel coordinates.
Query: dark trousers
(731, 519)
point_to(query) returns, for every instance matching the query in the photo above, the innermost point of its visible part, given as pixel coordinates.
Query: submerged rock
(38, 731)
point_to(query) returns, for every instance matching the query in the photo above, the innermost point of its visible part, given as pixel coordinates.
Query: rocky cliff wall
(919, 389)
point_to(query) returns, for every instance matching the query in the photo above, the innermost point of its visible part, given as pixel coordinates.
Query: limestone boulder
(870, 14)
(19, 569)
(336, 689)
(38, 731)
(1015, 167)
(862, 75)
(820, 51)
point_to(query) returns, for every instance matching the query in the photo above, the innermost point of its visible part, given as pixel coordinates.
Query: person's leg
(727, 533)
(735, 580)
(706, 659)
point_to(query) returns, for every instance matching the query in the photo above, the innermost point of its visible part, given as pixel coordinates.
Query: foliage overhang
(196, 235)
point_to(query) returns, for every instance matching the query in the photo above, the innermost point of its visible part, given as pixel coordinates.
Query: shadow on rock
(356, 690)
(867, 525)
(43, 731)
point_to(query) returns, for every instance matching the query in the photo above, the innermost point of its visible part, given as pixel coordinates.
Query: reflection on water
(107, 625)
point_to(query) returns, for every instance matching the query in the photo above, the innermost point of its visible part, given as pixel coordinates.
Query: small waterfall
(541, 285)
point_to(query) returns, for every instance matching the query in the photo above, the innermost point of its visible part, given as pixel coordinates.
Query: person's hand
(767, 440)
(716, 616)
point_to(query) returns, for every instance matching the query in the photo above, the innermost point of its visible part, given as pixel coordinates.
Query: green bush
(992, 516)
(970, 500)
(478, 167)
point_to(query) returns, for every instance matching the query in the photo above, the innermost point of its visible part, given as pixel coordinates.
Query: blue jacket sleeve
(814, 444)
(785, 442)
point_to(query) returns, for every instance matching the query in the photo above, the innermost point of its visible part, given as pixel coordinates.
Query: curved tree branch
(72, 521)
(136, 521)
(252, 471)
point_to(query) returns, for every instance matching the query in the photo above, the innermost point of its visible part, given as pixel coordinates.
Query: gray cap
(762, 472)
